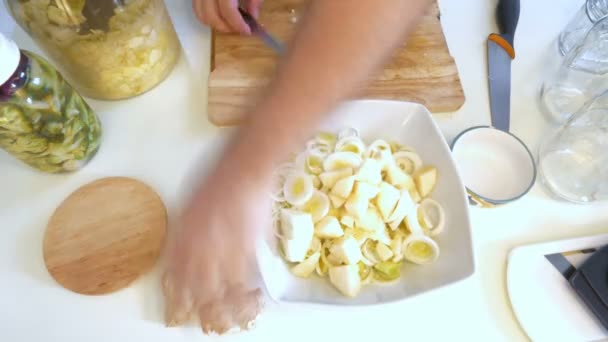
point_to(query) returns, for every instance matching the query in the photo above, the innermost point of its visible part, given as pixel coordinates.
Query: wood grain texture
(105, 235)
(423, 71)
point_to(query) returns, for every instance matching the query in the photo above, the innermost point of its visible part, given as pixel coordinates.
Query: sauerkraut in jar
(107, 49)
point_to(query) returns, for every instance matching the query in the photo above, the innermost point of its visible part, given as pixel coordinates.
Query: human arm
(338, 47)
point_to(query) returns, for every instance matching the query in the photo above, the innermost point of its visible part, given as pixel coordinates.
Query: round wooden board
(105, 235)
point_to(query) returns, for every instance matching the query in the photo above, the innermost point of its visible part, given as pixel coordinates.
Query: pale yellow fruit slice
(415, 195)
(318, 206)
(398, 178)
(371, 220)
(381, 235)
(344, 187)
(306, 267)
(336, 201)
(346, 250)
(330, 178)
(315, 246)
(405, 206)
(387, 199)
(297, 233)
(426, 179)
(356, 206)
(370, 172)
(348, 221)
(431, 216)
(396, 245)
(346, 279)
(366, 190)
(328, 228)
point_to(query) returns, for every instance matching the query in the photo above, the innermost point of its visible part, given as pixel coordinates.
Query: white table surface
(158, 137)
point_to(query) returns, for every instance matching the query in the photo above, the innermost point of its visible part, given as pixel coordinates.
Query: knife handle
(507, 15)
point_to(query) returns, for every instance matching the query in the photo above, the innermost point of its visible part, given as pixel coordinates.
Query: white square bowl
(410, 124)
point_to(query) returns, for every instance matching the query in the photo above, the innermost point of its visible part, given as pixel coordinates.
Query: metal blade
(562, 264)
(499, 77)
(270, 41)
(259, 31)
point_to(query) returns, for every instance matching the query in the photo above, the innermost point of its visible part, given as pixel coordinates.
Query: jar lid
(10, 56)
(105, 235)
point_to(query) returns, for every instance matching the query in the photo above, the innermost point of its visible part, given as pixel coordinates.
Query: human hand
(211, 258)
(224, 16)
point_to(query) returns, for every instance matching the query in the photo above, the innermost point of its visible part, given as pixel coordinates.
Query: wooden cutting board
(105, 235)
(241, 67)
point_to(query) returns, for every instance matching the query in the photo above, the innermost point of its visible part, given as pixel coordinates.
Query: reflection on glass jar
(582, 75)
(573, 162)
(43, 121)
(108, 49)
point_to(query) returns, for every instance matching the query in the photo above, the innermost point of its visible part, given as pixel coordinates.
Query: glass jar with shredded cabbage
(107, 49)
(43, 121)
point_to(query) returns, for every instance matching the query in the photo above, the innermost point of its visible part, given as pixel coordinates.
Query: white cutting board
(543, 301)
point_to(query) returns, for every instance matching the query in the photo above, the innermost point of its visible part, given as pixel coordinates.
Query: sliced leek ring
(342, 160)
(326, 138)
(378, 146)
(311, 162)
(278, 180)
(364, 270)
(431, 216)
(420, 249)
(397, 147)
(409, 162)
(368, 250)
(347, 132)
(351, 144)
(366, 261)
(387, 271)
(298, 188)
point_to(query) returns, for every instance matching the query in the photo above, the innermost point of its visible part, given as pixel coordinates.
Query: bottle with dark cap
(44, 122)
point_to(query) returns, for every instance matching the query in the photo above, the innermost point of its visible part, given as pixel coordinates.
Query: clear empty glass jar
(107, 49)
(581, 76)
(573, 162)
(591, 12)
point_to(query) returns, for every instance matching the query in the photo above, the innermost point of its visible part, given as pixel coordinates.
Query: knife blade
(259, 31)
(501, 52)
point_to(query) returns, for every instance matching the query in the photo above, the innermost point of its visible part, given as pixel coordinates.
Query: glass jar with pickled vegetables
(107, 49)
(43, 121)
